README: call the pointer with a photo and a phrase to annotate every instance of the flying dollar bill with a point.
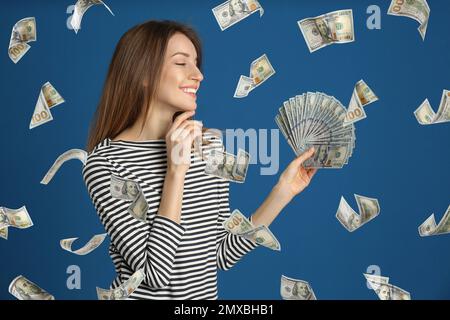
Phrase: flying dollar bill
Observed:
(48, 98)
(66, 156)
(294, 289)
(228, 166)
(24, 31)
(129, 190)
(80, 9)
(92, 244)
(260, 70)
(4, 233)
(262, 236)
(414, 9)
(369, 208)
(17, 218)
(429, 227)
(24, 289)
(426, 116)
(361, 97)
(124, 290)
(239, 225)
(232, 11)
(326, 29)
(244, 86)
(384, 290)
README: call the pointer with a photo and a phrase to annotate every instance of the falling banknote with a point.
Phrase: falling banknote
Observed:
(48, 98)
(228, 166)
(124, 290)
(92, 244)
(24, 289)
(361, 97)
(260, 70)
(24, 31)
(4, 233)
(17, 218)
(129, 190)
(80, 9)
(329, 28)
(232, 11)
(384, 290)
(414, 9)
(239, 225)
(369, 208)
(66, 156)
(429, 227)
(294, 289)
(425, 114)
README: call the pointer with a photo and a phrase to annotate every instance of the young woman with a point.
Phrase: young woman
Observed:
(155, 73)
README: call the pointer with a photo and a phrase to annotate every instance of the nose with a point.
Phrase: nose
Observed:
(196, 74)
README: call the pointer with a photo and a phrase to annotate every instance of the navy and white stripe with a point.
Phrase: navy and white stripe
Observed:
(180, 261)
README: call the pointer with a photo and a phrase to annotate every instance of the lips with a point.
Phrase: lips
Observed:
(190, 91)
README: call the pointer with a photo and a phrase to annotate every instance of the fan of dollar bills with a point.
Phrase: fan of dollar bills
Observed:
(316, 120)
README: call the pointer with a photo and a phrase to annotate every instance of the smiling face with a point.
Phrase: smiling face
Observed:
(180, 77)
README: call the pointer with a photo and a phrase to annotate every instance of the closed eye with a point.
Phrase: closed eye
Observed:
(180, 64)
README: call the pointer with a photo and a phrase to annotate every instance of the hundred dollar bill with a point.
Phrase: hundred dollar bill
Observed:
(124, 290)
(429, 227)
(237, 223)
(262, 236)
(24, 289)
(139, 207)
(80, 9)
(414, 9)
(260, 70)
(329, 28)
(426, 116)
(17, 218)
(92, 244)
(386, 291)
(66, 156)
(48, 98)
(232, 11)
(4, 233)
(374, 280)
(361, 97)
(24, 31)
(369, 208)
(228, 166)
(129, 190)
(328, 156)
(294, 289)
(244, 86)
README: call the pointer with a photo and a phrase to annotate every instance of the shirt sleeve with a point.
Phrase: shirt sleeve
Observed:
(143, 245)
(230, 247)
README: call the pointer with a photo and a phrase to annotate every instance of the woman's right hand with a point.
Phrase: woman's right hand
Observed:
(179, 140)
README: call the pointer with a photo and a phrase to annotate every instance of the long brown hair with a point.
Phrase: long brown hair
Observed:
(137, 59)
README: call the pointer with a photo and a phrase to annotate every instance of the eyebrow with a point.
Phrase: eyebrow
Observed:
(182, 53)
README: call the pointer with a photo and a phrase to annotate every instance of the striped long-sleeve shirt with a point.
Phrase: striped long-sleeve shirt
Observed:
(180, 261)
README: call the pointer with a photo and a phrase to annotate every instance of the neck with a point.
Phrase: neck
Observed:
(156, 125)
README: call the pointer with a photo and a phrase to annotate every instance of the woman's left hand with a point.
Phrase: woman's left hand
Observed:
(295, 178)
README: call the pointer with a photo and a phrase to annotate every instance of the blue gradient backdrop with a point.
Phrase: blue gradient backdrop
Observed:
(403, 164)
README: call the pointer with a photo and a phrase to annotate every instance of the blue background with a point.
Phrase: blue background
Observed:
(403, 164)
